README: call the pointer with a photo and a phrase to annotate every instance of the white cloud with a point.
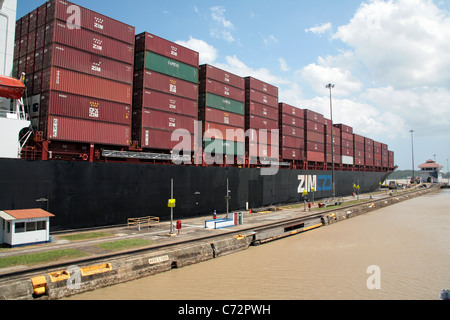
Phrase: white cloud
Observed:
(320, 29)
(223, 26)
(270, 40)
(208, 54)
(283, 65)
(402, 43)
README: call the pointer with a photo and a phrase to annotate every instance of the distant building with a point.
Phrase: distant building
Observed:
(24, 227)
(431, 172)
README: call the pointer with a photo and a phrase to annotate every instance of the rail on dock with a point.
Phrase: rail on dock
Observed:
(144, 222)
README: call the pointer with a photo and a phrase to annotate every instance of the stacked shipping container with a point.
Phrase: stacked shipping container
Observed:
(165, 96)
(80, 71)
(332, 143)
(377, 154)
(261, 108)
(346, 144)
(314, 136)
(292, 126)
(221, 110)
(368, 152)
(358, 150)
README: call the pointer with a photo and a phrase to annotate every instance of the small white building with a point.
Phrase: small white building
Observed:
(24, 227)
(431, 172)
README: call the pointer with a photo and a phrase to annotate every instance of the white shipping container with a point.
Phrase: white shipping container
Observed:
(347, 160)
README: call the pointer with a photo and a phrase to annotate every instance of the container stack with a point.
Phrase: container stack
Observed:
(165, 96)
(328, 143)
(377, 154)
(346, 144)
(222, 112)
(358, 150)
(261, 108)
(314, 136)
(81, 73)
(368, 152)
(391, 162)
(292, 132)
(384, 156)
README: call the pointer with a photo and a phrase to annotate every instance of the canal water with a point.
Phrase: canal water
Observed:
(399, 252)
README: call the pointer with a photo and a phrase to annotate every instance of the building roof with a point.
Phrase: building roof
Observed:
(430, 164)
(10, 215)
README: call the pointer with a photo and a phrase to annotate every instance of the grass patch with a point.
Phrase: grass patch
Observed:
(125, 244)
(42, 257)
(86, 236)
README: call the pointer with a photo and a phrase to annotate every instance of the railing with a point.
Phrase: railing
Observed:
(142, 222)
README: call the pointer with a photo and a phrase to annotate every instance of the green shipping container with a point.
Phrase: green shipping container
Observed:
(222, 147)
(221, 103)
(170, 67)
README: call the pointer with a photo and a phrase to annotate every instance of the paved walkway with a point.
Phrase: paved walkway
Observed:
(193, 228)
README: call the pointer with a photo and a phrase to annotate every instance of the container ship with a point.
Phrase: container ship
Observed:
(116, 117)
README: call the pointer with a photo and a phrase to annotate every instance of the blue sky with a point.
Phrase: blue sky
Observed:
(389, 59)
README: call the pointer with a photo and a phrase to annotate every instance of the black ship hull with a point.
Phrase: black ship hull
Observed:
(84, 195)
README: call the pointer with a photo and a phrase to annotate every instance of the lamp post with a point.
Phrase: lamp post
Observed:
(412, 151)
(331, 86)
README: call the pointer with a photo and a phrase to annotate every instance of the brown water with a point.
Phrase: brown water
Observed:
(409, 242)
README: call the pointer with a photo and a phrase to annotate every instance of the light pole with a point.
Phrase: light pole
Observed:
(331, 86)
(412, 150)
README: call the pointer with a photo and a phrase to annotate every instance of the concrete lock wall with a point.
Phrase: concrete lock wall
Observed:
(101, 273)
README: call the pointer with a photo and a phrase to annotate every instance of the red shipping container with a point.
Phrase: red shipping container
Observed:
(259, 97)
(291, 110)
(337, 158)
(23, 46)
(224, 132)
(347, 144)
(377, 157)
(329, 150)
(313, 116)
(85, 62)
(29, 69)
(315, 126)
(314, 146)
(25, 24)
(222, 117)
(38, 59)
(292, 131)
(255, 122)
(42, 15)
(336, 131)
(89, 41)
(146, 98)
(85, 85)
(293, 142)
(18, 30)
(292, 121)
(162, 140)
(73, 106)
(346, 136)
(90, 20)
(210, 72)
(149, 42)
(159, 82)
(263, 151)
(359, 161)
(358, 138)
(315, 156)
(261, 110)
(252, 83)
(359, 146)
(86, 131)
(31, 42)
(32, 22)
(344, 128)
(384, 147)
(292, 154)
(314, 136)
(37, 82)
(369, 162)
(223, 90)
(347, 151)
(162, 120)
(336, 139)
(359, 154)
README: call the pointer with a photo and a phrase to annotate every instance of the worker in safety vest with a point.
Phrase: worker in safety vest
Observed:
(215, 214)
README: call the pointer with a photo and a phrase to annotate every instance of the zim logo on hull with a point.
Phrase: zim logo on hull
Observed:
(319, 183)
